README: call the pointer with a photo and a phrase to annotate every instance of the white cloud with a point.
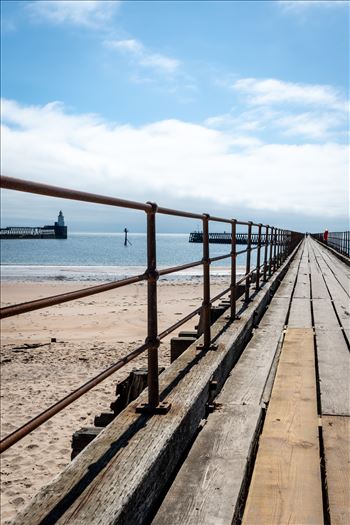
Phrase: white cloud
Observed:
(174, 158)
(313, 125)
(143, 56)
(273, 91)
(91, 13)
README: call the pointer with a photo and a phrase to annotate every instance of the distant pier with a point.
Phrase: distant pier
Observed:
(226, 238)
(55, 231)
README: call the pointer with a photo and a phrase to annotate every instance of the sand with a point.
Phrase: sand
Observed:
(91, 334)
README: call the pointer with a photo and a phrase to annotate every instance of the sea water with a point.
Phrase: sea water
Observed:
(103, 256)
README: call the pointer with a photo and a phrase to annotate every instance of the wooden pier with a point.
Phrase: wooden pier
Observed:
(226, 238)
(258, 431)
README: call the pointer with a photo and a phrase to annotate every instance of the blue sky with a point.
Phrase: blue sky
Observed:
(232, 107)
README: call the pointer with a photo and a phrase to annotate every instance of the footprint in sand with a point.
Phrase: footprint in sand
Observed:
(31, 447)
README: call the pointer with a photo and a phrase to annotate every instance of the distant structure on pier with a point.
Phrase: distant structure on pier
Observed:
(226, 238)
(54, 231)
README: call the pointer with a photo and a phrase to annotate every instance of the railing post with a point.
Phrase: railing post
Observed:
(206, 282)
(265, 251)
(153, 406)
(274, 250)
(233, 269)
(271, 248)
(284, 256)
(279, 247)
(247, 271)
(258, 258)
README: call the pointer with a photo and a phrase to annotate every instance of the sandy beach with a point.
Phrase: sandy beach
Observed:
(91, 334)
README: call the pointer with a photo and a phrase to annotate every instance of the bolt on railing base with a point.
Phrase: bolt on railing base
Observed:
(201, 346)
(145, 408)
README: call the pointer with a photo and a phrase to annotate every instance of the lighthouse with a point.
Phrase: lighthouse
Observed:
(60, 228)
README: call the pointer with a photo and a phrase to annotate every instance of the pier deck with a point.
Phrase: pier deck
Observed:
(276, 448)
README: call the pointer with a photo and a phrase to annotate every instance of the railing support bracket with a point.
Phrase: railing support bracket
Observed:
(161, 408)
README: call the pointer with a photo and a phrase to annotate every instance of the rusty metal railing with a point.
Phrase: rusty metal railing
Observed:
(339, 241)
(273, 248)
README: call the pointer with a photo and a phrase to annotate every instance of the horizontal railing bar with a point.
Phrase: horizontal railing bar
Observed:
(176, 325)
(38, 188)
(219, 219)
(34, 423)
(174, 269)
(219, 258)
(179, 213)
(245, 276)
(37, 304)
(242, 251)
(224, 292)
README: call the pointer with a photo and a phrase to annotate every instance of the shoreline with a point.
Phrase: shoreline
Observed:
(84, 274)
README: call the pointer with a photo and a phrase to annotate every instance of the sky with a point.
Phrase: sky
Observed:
(239, 109)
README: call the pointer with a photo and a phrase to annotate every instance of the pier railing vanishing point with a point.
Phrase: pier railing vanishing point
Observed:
(273, 246)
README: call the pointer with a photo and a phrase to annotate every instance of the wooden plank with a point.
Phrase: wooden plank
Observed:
(337, 291)
(336, 440)
(119, 476)
(334, 372)
(341, 270)
(205, 491)
(300, 314)
(276, 313)
(343, 311)
(324, 315)
(286, 481)
(286, 287)
(302, 288)
(208, 487)
(318, 285)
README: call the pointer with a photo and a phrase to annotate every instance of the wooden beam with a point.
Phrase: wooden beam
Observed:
(334, 372)
(336, 439)
(286, 482)
(300, 313)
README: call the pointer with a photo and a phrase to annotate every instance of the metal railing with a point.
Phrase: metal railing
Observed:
(339, 241)
(271, 254)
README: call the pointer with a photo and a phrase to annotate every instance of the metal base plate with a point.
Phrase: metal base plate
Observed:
(145, 408)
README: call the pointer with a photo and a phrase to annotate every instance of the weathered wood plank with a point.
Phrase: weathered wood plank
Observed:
(344, 259)
(119, 476)
(286, 287)
(276, 313)
(300, 314)
(205, 491)
(318, 285)
(286, 482)
(336, 440)
(337, 291)
(302, 288)
(343, 311)
(341, 270)
(324, 315)
(208, 486)
(334, 372)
